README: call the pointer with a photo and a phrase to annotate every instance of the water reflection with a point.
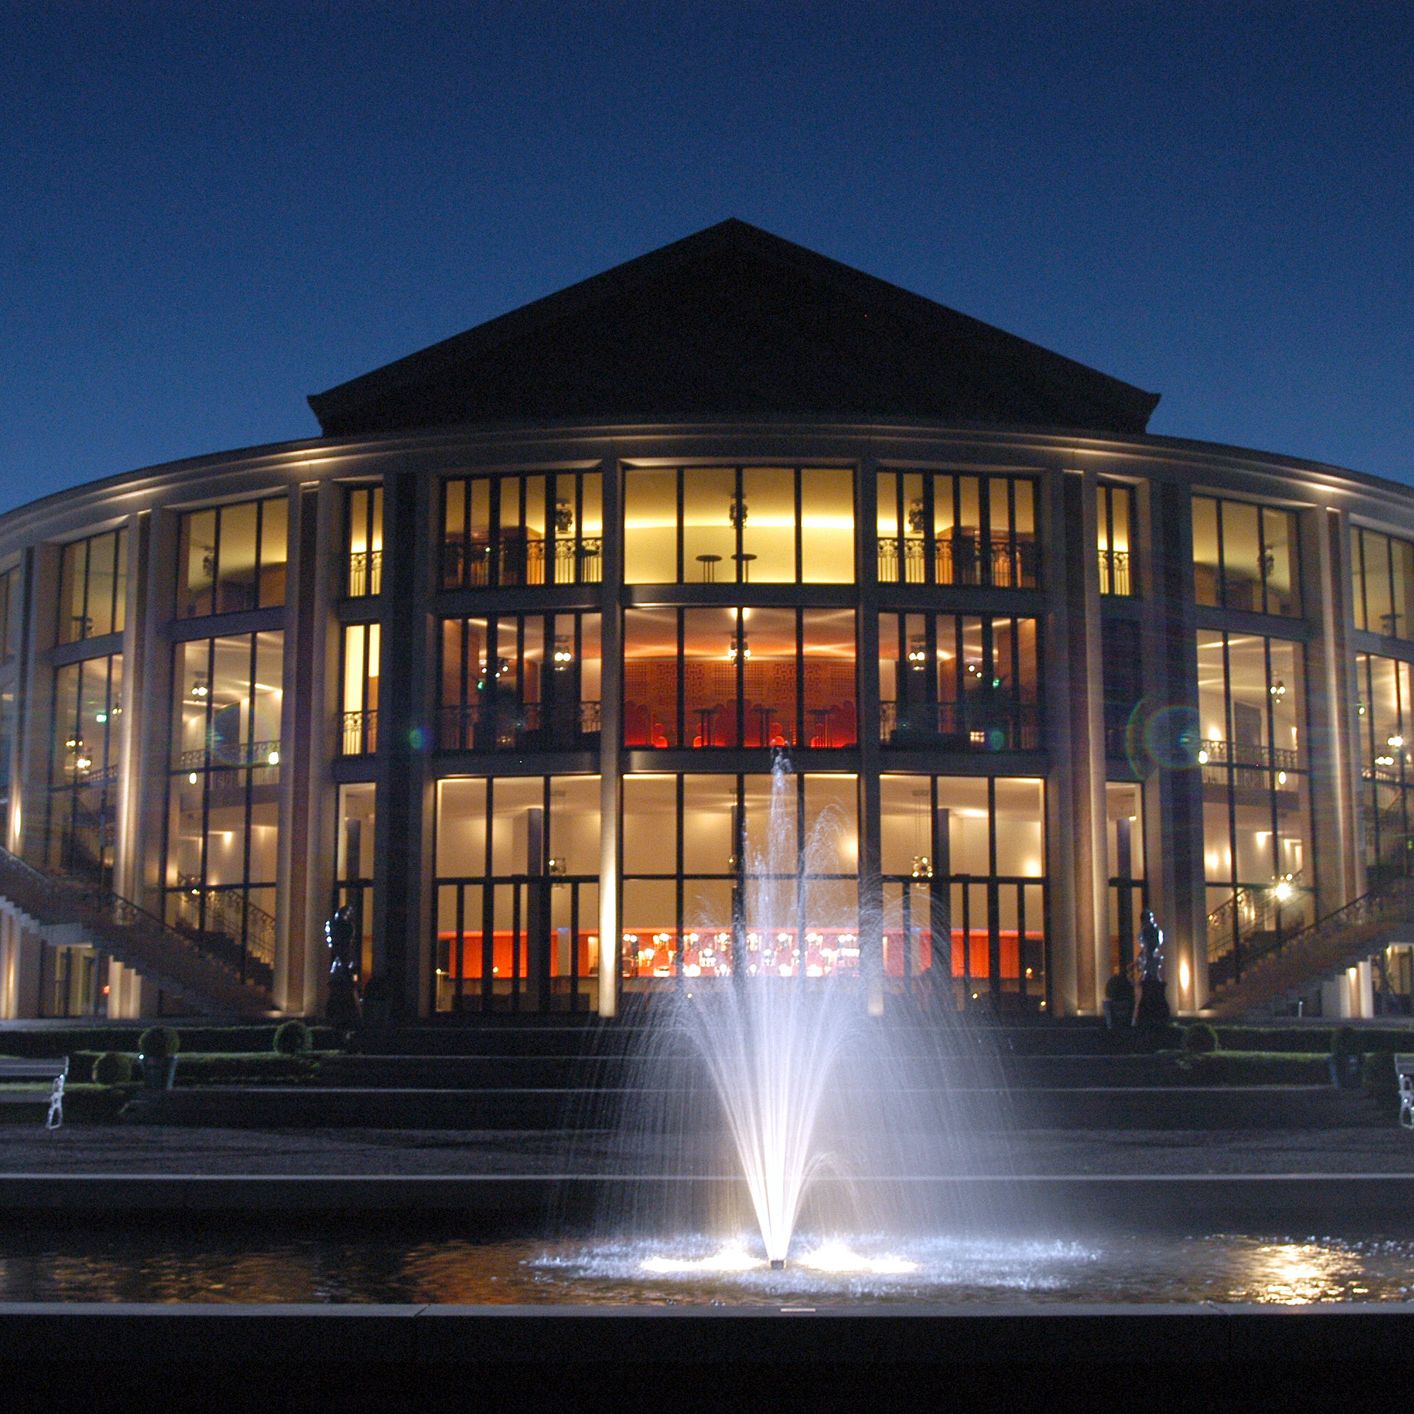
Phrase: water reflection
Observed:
(445, 1267)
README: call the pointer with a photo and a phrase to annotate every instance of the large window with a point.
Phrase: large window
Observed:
(1122, 678)
(232, 558)
(1124, 851)
(959, 682)
(1245, 557)
(964, 888)
(9, 615)
(517, 887)
(1385, 716)
(520, 683)
(359, 711)
(522, 530)
(83, 767)
(1256, 813)
(739, 525)
(363, 540)
(1382, 570)
(1114, 531)
(732, 677)
(93, 586)
(353, 865)
(715, 870)
(941, 528)
(223, 796)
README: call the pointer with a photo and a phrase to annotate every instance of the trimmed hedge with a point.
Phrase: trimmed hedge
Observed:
(230, 1068)
(1249, 1068)
(225, 1040)
(1391, 1037)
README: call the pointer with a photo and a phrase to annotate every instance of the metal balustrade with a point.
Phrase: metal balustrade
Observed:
(1002, 563)
(174, 960)
(961, 726)
(510, 726)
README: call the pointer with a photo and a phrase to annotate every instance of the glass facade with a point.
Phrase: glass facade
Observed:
(231, 559)
(93, 586)
(941, 528)
(959, 682)
(223, 814)
(514, 531)
(1256, 794)
(1382, 574)
(740, 677)
(748, 612)
(1245, 557)
(363, 541)
(84, 762)
(1114, 531)
(738, 525)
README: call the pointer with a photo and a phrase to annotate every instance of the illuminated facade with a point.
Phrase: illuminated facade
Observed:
(505, 657)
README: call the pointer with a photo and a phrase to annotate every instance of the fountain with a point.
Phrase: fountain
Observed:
(782, 1075)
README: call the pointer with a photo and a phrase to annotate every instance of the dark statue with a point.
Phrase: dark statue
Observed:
(1152, 1009)
(343, 968)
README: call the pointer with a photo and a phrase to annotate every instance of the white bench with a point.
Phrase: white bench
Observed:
(56, 1071)
(1404, 1074)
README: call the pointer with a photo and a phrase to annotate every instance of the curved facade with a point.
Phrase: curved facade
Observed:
(515, 692)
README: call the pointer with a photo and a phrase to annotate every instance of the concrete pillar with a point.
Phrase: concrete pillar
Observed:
(302, 760)
(130, 841)
(1173, 794)
(1333, 724)
(611, 648)
(866, 577)
(1070, 982)
(1083, 650)
(402, 878)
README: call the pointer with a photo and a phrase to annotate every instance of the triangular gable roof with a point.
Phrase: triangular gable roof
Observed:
(732, 321)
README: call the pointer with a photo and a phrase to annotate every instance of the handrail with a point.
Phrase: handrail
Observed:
(103, 908)
(1371, 907)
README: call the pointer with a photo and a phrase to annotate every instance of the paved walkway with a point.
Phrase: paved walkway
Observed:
(143, 1149)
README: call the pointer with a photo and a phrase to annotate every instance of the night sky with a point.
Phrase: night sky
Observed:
(209, 211)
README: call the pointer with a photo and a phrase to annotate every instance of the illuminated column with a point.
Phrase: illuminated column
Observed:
(866, 576)
(402, 945)
(1331, 697)
(128, 844)
(1173, 794)
(1066, 826)
(1087, 739)
(610, 734)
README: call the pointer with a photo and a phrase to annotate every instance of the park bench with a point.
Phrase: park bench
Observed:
(54, 1070)
(1404, 1074)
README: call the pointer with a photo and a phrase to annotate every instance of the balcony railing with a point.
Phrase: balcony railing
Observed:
(527, 726)
(1253, 922)
(229, 927)
(365, 573)
(358, 733)
(1248, 765)
(961, 726)
(232, 755)
(1114, 573)
(513, 561)
(1002, 563)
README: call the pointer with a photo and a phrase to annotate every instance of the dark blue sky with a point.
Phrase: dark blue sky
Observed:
(211, 210)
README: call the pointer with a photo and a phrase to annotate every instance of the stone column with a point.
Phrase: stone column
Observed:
(866, 577)
(611, 649)
(402, 872)
(1173, 792)
(1333, 723)
(1071, 980)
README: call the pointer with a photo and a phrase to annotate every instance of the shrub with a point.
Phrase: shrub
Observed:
(1345, 1041)
(292, 1038)
(1381, 1081)
(1200, 1039)
(113, 1068)
(159, 1042)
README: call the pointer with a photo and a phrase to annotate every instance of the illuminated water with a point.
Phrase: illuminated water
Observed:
(345, 1266)
(799, 1063)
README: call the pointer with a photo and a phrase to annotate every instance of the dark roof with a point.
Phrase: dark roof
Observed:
(732, 321)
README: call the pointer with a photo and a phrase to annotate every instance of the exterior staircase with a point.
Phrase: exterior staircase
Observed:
(63, 910)
(1320, 952)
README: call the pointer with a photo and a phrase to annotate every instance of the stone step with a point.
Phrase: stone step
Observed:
(1118, 1108)
(569, 1071)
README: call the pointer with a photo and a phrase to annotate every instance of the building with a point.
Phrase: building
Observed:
(504, 657)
